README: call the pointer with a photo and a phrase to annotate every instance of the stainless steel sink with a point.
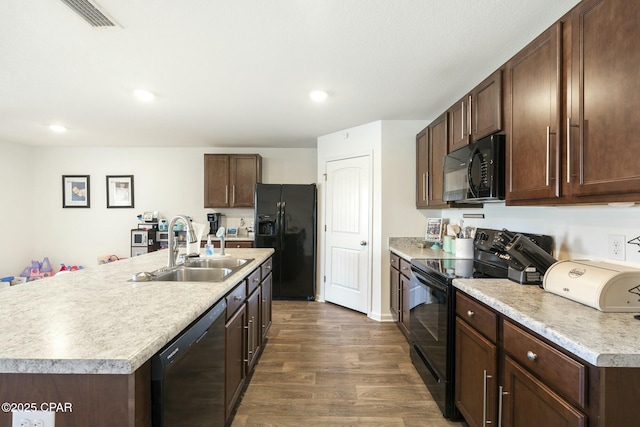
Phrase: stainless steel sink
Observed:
(185, 274)
(232, 263)
(195, 270)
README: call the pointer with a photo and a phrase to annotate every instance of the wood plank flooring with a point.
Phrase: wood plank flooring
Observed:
(325, 365)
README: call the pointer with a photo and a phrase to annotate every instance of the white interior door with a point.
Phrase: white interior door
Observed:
(347, 249)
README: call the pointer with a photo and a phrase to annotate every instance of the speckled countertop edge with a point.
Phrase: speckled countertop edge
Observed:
(95, 321)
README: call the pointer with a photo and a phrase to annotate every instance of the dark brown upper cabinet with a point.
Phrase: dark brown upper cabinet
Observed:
(230, 180)
(532, 99)
(477, 114)
(604, 101)
(431, 147)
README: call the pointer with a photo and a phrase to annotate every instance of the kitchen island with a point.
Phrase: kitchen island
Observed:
(85, 338)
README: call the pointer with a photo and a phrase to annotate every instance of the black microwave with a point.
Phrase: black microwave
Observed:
(475, 173)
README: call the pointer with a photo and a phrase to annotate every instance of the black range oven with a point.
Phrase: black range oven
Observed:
(432, 307)
(432, 317)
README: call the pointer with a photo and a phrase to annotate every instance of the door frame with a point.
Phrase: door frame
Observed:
(322, 215)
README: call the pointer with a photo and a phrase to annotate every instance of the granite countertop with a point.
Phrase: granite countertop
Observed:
(602, 339)
(408, 248)
(95, 321)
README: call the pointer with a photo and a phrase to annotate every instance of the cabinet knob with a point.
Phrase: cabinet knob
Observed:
(237, 298)
(470, 313)
(531, 355)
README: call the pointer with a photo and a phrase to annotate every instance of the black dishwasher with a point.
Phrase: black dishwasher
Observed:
(187, 375)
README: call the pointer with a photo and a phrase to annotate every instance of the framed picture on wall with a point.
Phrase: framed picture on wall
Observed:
(75, 191)
(120, 191)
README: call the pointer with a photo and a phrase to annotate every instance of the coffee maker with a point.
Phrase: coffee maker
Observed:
(214, 222)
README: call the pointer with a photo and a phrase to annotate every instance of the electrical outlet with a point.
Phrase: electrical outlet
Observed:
(616, 247)
(33, 419)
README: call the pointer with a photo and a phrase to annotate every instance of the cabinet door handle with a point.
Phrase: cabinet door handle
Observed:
(485, 377)
(470, 313)
(568, 150)
(424, 186)
(233, 193)
(502, 394)
(469, 120)
(531, 355)
(463, 116)
(226, 194)
(548, 155)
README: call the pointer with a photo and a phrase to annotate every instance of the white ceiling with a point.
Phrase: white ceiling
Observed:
(237, 72)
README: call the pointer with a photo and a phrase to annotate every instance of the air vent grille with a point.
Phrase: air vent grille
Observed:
(90, 12)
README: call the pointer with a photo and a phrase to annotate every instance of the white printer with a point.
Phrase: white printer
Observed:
(604, 286)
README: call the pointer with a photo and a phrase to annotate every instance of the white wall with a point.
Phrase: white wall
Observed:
(17, 208)
(392, 147)
(169, 180)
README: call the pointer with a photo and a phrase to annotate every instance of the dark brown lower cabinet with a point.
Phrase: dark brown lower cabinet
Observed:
(253, 328)
(475, 376)
(266, 314)
(235, 344)
(400, 284)
(526, 401)
(508, 376)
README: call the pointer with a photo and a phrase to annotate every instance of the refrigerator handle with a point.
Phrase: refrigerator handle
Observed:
(277, 231)
(283, 226)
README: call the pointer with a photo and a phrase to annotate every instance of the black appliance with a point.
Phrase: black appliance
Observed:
(188, 375)
(475, 173)
(432, 308)
(285, 220)
(214, 222)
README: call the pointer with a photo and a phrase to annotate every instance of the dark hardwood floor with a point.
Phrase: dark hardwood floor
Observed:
(325, 365)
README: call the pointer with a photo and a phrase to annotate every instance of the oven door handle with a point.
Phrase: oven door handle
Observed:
(429, 283)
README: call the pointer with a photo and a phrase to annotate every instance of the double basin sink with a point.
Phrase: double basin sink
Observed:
(196, 270)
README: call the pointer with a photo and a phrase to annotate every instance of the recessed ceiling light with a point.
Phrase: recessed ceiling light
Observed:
(144, 95)
(318, 95)
(58, 128)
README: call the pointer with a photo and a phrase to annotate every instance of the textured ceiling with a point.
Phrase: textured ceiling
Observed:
(237, 73)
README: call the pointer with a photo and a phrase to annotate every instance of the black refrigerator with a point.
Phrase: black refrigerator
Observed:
(285, 220)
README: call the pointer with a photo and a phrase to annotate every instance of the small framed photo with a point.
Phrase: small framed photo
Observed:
(120, 191)
(75, 191)
(434, 230)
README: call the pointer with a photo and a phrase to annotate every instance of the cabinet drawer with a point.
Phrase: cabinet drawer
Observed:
(405, 267)
(483, 319)
(253, 280)
(239, 244)
(562, 373)
(266, 268)
(395, 261)
(236, 298)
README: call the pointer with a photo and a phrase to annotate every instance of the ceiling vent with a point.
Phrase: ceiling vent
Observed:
(91, 12)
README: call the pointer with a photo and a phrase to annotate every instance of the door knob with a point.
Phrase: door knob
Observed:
(363, 243)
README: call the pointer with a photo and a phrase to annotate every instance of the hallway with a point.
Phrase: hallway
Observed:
(325, 365)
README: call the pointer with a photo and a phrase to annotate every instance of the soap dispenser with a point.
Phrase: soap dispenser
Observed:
(208, 248)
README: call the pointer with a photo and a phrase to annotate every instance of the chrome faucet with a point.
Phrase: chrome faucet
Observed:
(173, 245)
(220, 235)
